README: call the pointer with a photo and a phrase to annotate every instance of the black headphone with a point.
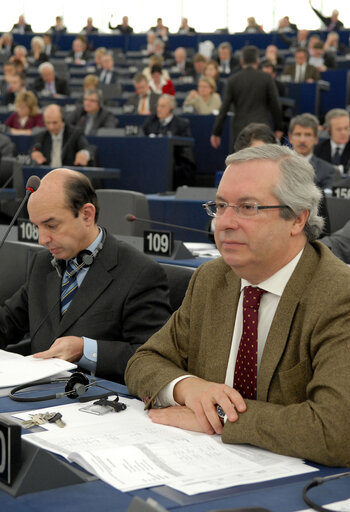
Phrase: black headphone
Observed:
(84, 258)
(318, 481)
(75, 387)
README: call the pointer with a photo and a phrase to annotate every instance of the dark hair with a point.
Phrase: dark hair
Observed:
(254, 131)
(156, 68)
(250, 54)
(300, 49)
(79, 191)
(266, 63)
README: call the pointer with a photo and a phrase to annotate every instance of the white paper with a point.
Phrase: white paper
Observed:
(129, 452)
(337, 506)
(16, 369)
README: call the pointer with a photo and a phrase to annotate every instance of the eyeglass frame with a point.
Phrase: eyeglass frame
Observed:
(236, 208)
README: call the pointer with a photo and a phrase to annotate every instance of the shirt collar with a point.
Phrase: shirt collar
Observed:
(334, 146)
(278, 281)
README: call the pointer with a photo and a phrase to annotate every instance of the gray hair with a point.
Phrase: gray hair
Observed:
(225, 44)
(296, 187)
(170, 98)
(332, 114)
(306, 121)
(46, 65)
(97, 92)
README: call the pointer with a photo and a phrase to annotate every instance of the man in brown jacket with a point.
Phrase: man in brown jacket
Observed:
(265, 225)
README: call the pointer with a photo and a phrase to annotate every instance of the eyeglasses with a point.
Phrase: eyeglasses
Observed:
(245, 209)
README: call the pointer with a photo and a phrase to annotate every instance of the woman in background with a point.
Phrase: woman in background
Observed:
(26, 115)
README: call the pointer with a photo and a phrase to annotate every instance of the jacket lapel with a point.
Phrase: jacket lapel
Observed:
(281, 325)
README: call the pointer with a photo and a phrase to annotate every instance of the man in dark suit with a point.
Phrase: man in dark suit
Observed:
(21, 27)
(50, 48)
(79, 53)
(123, 28)
(254, 97)
(89, 29)
(331, 22)
(180, 63)
(281, 379)
(303, 135)
(336, 149)
(228, 63)
(60, 144)
(165, 123)
(122, 295)
(301, 70)
(143, 101)
(108, 74)
(92, 115)
(48, 84)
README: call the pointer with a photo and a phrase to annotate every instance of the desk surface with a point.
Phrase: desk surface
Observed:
(282, 495)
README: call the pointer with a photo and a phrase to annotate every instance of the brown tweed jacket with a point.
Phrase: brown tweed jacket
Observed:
(303, 405)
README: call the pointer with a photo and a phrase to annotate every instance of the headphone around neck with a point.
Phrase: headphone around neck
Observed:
(84, 259)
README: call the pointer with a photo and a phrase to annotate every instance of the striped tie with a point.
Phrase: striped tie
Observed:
(69, 286)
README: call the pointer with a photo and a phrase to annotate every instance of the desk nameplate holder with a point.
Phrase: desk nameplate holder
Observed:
(32, 469)
(179, 252)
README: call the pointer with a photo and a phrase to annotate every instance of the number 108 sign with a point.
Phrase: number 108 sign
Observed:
(158, 243)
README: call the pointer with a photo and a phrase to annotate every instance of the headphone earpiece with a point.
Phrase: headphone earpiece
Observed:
(85, 258)
(77, 385)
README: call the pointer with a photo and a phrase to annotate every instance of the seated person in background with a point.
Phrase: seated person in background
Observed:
(79, 54)
(331, 22)
(20, 54)
(158, 84)
(89, 29)
(143, 100)
(160, 49)
(255, 134)
(271, 54)
(303, 136)
(320, 59)
(160, 30)
(26, 116)
(181, 64)
(284, 25)
(108, 73)
(294, 398)
(185, 28)
(21, 27)
(165, 123)
(123, 28)
(60, 144)
(98, 53)
(37, 54)
(228, 63)
(333, 46)
(6, 44)
(58, 28)
(298, 41)
(252, 26)
(205, 100)
(50, 49)
(48, 84)
(90, 82)
(92, 115)
(268, 67)
(336, 149)
(199, 63)
(16, 85)
(120, 299)
(301, 70)
(155, 59)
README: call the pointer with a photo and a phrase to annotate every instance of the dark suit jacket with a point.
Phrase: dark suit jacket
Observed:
(323, 150)
(73, 141)
(153, 100)
(85, 56)
(61, 86)
(254, 96)
(310, 72)
(188, 70)
(327, 20)
(89, 30)
(16, 27)
(324, 172)
(121, 28)
(103, 119)
(121, 302)
(303, 405)
(113, 79)
(235, 65)
(184, 162)
(339, 243)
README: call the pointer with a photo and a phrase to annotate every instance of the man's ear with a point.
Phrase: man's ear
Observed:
(88, 212)
(299, 222)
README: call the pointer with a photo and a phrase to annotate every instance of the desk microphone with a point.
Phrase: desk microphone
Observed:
(32, 185)
(131, 218)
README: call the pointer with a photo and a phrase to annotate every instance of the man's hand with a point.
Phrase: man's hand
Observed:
(38, 157)
(81, 159)
(202, 397)
(69, 348)
(215, 141)
(177, 416)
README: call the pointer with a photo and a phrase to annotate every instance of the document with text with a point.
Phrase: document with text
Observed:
(129, 452)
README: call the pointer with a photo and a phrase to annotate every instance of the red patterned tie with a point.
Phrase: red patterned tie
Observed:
(245, 375)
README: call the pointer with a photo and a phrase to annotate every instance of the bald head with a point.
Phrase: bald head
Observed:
(53, 119)
(65, 210)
